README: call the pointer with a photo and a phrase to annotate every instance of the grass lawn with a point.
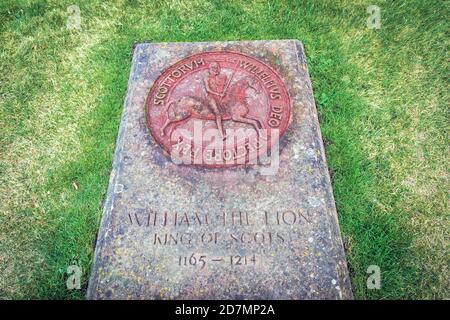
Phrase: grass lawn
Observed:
(382, 95)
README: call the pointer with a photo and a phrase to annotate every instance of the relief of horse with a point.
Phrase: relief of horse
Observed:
(234, 102)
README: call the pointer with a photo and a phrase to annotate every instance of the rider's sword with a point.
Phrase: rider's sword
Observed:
(227, 85)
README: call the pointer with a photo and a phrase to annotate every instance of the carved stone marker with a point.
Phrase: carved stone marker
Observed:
(219, 188)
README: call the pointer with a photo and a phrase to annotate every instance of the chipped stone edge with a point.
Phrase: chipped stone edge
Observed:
(342, 270)
(112, 184)
(213, 42)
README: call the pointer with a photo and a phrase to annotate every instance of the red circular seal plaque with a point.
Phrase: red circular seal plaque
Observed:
(218, 109)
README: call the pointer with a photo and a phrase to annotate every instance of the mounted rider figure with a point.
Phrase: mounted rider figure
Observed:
(216, 86)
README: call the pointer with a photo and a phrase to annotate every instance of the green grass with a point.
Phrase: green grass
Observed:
(382, 97)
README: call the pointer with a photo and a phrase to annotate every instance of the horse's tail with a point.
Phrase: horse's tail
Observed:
(168, 107)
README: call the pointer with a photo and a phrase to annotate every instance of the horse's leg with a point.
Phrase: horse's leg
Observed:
(168, 121)
(263, 137)
(220, 125)
(216, 111)
(171, 121)
(254, 118)
(177, 122)
(252, 122)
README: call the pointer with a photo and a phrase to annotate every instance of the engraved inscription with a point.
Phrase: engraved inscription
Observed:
(238, 229)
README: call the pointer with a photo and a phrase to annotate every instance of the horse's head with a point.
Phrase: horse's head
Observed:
(240, 88)
(250, 82)
(238, 92)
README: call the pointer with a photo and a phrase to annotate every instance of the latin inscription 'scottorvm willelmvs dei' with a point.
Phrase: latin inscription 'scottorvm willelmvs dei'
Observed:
(192, 211)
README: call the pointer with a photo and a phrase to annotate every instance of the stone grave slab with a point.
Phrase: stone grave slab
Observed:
(219, 187)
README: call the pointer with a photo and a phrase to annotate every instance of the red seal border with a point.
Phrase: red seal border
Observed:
(148, 104)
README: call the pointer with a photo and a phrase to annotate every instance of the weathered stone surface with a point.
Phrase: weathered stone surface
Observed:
(190, 232)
